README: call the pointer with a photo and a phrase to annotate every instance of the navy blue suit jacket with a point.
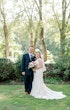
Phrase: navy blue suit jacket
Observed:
(25, 64)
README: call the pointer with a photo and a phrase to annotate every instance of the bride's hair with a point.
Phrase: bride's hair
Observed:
(41, 56)
(39, 53)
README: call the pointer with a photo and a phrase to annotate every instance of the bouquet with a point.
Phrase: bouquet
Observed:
(32, 65)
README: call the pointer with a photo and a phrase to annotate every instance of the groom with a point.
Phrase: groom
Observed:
(27, 73)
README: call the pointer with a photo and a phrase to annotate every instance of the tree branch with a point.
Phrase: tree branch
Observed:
(56, 16)
(68, 18)
(68, 4)
(36, 4)
(25, 9)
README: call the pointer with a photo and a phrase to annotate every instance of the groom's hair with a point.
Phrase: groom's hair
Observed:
(31, 46)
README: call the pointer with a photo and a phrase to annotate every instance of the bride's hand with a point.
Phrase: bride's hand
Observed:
(34, 69)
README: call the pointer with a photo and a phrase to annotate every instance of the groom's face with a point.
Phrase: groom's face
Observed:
(31, 50)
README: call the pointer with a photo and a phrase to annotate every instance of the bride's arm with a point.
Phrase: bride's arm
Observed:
(40, 64)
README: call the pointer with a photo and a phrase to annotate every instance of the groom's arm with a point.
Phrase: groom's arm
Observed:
(23, 65)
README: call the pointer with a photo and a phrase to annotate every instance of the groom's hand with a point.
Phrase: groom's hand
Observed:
(23, 73)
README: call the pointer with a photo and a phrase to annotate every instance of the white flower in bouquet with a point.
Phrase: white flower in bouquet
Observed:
(32, 65)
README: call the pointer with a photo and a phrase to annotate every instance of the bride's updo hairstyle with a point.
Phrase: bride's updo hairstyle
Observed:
(41, 56)
(38, 51)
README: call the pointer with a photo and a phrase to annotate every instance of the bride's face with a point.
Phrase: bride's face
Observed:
(38, 55)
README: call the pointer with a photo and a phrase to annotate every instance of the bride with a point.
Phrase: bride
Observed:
(39, 89)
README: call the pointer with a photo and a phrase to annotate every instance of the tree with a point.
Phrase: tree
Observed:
(41, 28)
(2, 11)
(34, 23)
(62, 24)
(63, 29)
(42, 31)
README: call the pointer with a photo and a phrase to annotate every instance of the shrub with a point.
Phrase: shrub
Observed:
(49, 70)
(17, 73)
(63, 65)
(61, 68)
(6, 69)
(10, 70)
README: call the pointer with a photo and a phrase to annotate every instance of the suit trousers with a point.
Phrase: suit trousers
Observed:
(28, 82)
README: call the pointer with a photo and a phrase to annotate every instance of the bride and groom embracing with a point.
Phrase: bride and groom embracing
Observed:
(33, 77)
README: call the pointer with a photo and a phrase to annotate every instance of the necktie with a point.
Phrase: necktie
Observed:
(31, 57)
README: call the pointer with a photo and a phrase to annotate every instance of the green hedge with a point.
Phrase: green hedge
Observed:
(6, 69)
(17, 67)
(10, 70)
(61, 68)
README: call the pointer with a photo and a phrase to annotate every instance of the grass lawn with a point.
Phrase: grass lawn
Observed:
(12, 97)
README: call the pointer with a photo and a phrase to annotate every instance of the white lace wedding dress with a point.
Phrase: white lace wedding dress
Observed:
(40, 90)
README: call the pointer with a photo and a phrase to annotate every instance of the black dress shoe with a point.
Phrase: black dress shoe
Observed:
(26, 93)
(29, 92)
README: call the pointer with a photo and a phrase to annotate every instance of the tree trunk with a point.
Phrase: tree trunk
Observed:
(43, 43)
(42, 31)
(62, 42)
(31, 39)
(5, 31)
(63, 28)
(6, 39)
(35, 41)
